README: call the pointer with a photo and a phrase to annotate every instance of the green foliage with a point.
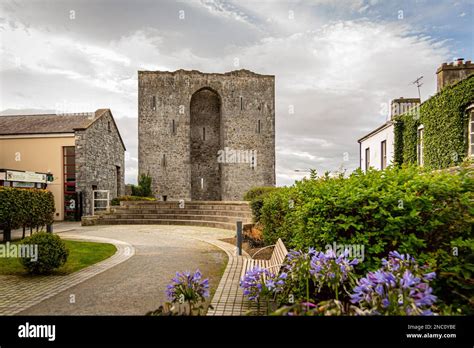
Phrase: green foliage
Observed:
(398, 146)
(445, 127)
(117, 200)
(52, 253)
(25, 207)
(143, 189)
(256, 196)
(426, 214)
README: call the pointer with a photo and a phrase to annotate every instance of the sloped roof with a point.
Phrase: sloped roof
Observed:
(51, 123)
(44, 124)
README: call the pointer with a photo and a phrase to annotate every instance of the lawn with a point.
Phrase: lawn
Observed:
(81, 255)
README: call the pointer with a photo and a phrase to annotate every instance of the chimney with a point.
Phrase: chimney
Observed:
(453, 72)
(401, 105)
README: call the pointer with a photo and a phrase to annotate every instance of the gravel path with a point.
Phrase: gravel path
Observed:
(138, 285)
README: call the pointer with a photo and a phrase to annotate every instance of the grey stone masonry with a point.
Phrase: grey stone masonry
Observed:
(206, 136)
(100, 156)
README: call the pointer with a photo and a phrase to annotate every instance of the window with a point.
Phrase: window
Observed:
(173, 127)
(367, 158)
(153, 103)
(241, 103)
(108, 126)
(383, 148)
(163, 161)
(259, 126)
(419, 152)
(118, 177)
(471, 134)
(69, 172)
(203, 133)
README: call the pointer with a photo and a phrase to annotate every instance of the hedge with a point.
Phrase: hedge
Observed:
(25, 208)
(255, 196)
(426, 214)
(445, 128)
(117, 200)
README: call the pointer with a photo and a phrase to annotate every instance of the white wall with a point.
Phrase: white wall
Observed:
(374, 143)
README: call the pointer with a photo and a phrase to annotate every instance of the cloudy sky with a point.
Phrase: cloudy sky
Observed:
(337, 63)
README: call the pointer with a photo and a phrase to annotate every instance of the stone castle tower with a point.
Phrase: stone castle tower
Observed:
(206, 136)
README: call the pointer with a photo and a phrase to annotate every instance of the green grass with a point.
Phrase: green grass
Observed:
(81, 255)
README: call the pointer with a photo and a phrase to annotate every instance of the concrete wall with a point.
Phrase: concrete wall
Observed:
(245, 99)
(38, 154)
(99, 152)
(374, 143)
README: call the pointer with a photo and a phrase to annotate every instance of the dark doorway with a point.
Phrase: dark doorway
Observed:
(205, 144)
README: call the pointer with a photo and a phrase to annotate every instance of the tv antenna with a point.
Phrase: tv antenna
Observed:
(418, 84)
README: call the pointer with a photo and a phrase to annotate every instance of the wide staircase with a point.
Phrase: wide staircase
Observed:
(194, 213)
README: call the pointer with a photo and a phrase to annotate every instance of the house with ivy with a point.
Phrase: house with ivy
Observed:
(438, 133)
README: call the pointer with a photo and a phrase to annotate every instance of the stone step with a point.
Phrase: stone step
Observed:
(187, 205)
(216, 218)
(214, 224)
(121, 211)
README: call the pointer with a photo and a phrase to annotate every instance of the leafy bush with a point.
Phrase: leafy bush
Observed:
(25, 208)
(256, 196)
(117, 200)
(52, 253)
(143, 189)
(426, 214)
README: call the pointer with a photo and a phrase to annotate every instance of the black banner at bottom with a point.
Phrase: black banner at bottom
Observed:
(135, 331)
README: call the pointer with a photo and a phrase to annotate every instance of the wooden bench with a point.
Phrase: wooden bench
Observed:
(273, 265)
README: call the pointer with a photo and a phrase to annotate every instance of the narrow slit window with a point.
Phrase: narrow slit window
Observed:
(108, 126)
(204, 133)
(163, 161)
(153, 103)
(259, 126)
(241, 103)
(173, 127)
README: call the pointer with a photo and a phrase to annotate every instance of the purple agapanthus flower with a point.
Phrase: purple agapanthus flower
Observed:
(187, 286)
(398, 288)
(259, 282)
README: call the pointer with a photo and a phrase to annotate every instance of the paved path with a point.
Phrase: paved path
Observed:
(19, 293)
(138, 285)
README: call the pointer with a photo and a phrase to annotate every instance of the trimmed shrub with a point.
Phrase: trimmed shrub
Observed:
(256, 196)
(426, 214)
(52, 253)
(25, 208)
(143, 189)
(116, 201)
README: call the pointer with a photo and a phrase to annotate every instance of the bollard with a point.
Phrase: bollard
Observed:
(49, 228)
(239, 237)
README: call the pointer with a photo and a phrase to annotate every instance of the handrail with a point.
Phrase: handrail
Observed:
(268, 246)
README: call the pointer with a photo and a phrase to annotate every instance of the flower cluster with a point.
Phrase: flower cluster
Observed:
(400, 287)
(188, 287)
(260, 283)
(331, 270)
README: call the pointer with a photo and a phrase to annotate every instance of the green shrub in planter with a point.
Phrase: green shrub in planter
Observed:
(52, 253)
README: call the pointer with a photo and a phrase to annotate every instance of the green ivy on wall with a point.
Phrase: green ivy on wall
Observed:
(445, 125)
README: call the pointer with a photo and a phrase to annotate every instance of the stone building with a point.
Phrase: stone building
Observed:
(81, 152)
(206, 136)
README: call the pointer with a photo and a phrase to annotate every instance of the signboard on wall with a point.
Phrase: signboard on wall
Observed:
(25, 176)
